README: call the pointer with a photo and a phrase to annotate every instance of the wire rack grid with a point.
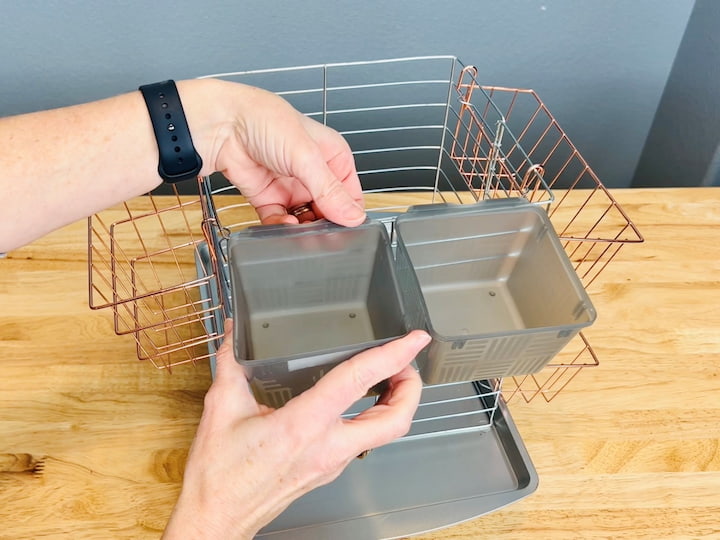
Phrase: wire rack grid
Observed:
(422, 130)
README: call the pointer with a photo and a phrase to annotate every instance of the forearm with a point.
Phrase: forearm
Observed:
(62, 165)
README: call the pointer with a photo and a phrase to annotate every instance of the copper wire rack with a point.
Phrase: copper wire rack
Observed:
(422, 130)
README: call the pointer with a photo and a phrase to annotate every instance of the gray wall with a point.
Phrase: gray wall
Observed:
(683, 146)
(600, 66)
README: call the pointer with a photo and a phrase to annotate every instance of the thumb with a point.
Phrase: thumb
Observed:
(226, 367)
(229, 395)
(328, 192)
(350, 380)
(330, 196)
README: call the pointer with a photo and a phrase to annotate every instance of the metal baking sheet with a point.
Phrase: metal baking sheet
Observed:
(439, 475)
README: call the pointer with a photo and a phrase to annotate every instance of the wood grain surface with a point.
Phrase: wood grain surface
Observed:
(93, 442)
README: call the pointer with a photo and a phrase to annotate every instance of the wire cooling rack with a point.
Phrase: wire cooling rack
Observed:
(422, 130)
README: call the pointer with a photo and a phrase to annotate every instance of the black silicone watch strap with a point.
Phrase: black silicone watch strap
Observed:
(178, 158)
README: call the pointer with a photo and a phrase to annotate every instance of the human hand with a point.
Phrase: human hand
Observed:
(249, 462)
(277, 157)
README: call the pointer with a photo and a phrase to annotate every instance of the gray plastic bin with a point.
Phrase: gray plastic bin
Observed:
(492, 285)
(307, 297)
(462, 458)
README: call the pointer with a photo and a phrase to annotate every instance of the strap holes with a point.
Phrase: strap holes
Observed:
(174, 138)
(177, 148)
(168, 116)
(180, 160)
(164, 105)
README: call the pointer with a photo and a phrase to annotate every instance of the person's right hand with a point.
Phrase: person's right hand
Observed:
(249, 462)
(277, 157)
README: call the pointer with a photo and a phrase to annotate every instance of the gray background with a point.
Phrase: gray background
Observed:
(621, 77)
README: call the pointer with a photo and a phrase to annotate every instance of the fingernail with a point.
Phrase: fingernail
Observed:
(354, 211)
(422, 339)
(227, 326)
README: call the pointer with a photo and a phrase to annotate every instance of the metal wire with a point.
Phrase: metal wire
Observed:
(449, 408)
(422, 129)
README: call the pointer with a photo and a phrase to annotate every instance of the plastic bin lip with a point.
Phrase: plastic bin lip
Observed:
(497, 206)
(314, 357)
(425, 212)
(287, 230)
(439, 210)
(571, 328)
(321, 228)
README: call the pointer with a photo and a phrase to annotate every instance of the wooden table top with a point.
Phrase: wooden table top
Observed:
(93, 442)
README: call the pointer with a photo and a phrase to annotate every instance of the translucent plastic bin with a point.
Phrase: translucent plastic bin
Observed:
(492, 285)
(307, 297)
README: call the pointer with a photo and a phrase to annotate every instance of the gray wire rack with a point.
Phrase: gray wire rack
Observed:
(422, 130)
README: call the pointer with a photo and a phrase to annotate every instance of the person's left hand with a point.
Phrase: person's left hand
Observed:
(249, 462)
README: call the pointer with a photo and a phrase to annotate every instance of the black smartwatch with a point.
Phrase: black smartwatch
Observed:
(178, 158)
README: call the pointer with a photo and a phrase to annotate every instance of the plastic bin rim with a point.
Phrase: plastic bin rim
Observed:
(492, 206)
(315, 228)
(355, 348)
(569, 328)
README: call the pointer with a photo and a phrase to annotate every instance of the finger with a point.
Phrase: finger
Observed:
(225, 357)
(390, 418)
(338, 155)
(230, 394)
(349, 381)
(226, 367)
(275, 214)
(329, 194)
(280, 219)
(387, 396)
